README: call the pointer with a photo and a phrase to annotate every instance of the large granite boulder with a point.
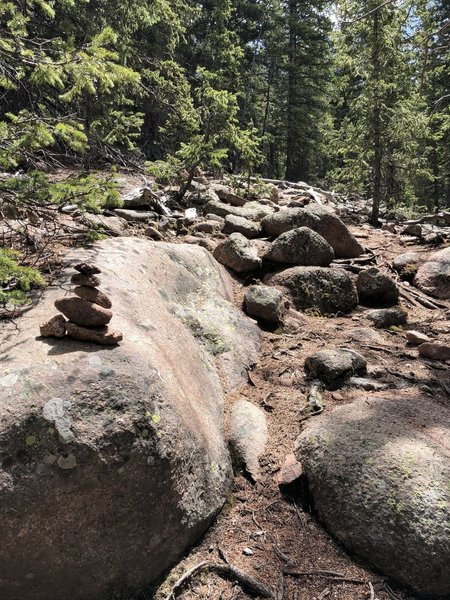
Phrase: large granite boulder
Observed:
(237, 253)
(433, 277)
(301, 246)
(320, 219)
(327, 291)
(113, 460)
(378, 470)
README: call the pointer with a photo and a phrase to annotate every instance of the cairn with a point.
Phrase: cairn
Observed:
(88, 313)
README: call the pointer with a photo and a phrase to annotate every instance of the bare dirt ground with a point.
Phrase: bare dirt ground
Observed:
(276, 525)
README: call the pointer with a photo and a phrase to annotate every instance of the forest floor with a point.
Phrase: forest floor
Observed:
(277, 524)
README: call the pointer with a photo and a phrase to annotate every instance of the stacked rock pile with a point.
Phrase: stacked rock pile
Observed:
(88, 313)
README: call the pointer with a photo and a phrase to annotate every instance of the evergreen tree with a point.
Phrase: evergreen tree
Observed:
(384, 122)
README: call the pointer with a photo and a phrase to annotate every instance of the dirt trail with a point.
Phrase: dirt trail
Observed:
(266, 531)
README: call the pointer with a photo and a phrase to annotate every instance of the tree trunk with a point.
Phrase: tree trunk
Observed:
(292, 82)
(376, 126)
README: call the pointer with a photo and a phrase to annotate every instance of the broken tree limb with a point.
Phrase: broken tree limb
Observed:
(248, 583)
(331, 575)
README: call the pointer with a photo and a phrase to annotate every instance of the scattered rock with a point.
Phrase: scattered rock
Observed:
(407, 263)
(435, 351)
(320, 219)
(227, 195)
(153, 233)
(333, 366)
(139, 216)
(93, 295)
(388, 317)
(370, 385)
(264, 302)
(54, 327)
(301, 246)
(433, 277)
(248, 435)
(327, 291)
(378, 471)
(210, 227)
(234, 224)
(413, 229)
(198, 241)
(290, 471)
(415, 338)
(82, 312)
(115, 226)
(376, 289)
(100, 335)
(237, 254)
(254, 211)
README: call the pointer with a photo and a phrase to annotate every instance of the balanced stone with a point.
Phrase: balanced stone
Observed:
(86, 280)
(83, 312)
(101, 335)
(54, 327)
(93, 295)
(87, 269)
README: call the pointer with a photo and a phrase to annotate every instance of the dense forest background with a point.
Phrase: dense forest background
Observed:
(353, 96)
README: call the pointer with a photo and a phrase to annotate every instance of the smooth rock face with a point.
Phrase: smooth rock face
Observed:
(326, 290)
(301, 246)
(93, 295)
(101, 335)
(54, 327)
(248, 435)
(237, 254)
(247, 228)
(264, 302)
(376, 289)
(136, 215)
(378, 470)
(226, 194)
(332, 366)
(114, 460)
(433, 277)
(111, 225)
(320, 219)
(435, 350)
(388, 317)
(82, 312)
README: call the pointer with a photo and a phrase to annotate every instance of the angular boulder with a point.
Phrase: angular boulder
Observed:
(237, 254)
(376, 289)
(114, 460)
(433, 277)
(328, 291)
(248, 435)
(301, 246)
(388, 317)
(378, 470)
(320, 219)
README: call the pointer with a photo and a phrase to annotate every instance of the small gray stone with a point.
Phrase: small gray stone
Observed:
(435, 351)
(264, 302)
(388, 317)
(67, 462)
(332, 366)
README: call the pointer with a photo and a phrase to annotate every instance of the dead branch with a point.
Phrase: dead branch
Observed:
(331, 575)
(248, 583)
